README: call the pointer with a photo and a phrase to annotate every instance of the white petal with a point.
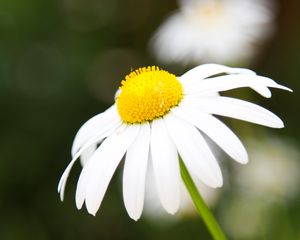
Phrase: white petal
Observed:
(166, 166)
(194, 151)
(216, 130)
(235, 108)
(206, 70)
(262, 90)
(96, 125)
(86, 155)
(91, 142)
(224, 83)
(83, 179)
(97, 173)
(134, 174)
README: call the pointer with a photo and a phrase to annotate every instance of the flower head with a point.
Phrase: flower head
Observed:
(157, 117)
(223, 31)
(148, 93)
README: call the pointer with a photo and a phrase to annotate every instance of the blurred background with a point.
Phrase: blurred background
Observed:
(61, 63)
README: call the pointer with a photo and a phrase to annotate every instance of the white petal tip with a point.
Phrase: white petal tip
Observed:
(61, 195)
(59, 186)
(276, 85)
(171, 211)
(214, 181)
(217, 183)
(134, 215)
(215, 186)
(285, 88)
(135, 218)
(78, 206)
(79, 201)
(171, 207)
(279, 125)
(92, 212)
(276, 122)
(243, 161)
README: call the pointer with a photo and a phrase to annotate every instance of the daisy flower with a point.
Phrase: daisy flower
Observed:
(157, 117)
(222, 31)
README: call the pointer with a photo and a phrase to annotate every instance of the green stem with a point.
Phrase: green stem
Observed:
(201, 207)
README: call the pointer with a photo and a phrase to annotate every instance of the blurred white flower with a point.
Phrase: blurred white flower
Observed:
(273, 170)
(158, 116)
(221, 31)
(270, 180)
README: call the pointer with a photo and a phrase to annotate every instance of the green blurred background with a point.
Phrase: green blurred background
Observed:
(60, 64)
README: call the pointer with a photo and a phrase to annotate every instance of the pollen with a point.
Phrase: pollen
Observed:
(148, 93)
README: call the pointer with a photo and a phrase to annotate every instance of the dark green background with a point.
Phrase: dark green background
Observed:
(60, 63)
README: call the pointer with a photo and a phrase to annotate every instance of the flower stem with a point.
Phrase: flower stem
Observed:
(201, 207)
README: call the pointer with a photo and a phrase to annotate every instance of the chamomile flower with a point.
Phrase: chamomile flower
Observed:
(157, 117)
(222, 31)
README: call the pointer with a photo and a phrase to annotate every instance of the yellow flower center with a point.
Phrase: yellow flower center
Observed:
(148, 93)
